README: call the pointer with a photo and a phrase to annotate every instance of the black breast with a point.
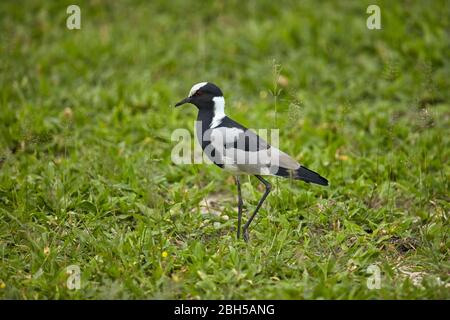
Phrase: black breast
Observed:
(202, 124)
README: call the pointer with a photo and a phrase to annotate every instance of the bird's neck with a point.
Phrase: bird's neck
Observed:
(213, 115)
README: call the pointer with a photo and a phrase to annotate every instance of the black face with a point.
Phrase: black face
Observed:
(203, 97)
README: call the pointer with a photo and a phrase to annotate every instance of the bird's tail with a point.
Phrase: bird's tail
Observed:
(304, 174)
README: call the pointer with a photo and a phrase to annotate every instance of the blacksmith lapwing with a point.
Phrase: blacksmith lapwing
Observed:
(233, 147)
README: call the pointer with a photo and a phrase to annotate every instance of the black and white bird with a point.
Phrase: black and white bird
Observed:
(234, 148)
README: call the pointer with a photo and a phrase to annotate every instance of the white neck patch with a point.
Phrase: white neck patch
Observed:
(195, 87)
(219, 111)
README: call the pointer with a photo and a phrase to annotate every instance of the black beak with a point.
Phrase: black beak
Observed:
(185, 100)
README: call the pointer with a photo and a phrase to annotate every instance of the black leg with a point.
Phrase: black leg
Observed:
(266, 193)
(240, 203)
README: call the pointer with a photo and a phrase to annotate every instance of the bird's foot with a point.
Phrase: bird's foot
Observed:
(246, 236)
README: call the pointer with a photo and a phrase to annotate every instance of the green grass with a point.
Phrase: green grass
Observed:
(86, 177)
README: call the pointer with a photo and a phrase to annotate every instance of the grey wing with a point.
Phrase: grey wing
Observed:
(248, 152)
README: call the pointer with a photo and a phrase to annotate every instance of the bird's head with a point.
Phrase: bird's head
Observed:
(203, 95)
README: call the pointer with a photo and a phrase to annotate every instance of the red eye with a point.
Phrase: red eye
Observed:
(198, 93)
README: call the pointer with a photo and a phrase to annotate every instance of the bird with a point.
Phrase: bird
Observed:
(239, 150)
